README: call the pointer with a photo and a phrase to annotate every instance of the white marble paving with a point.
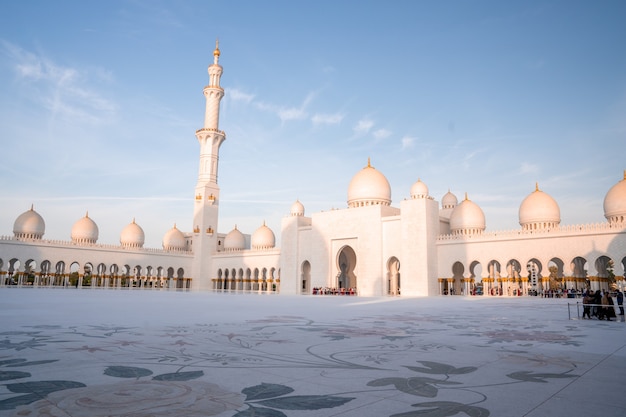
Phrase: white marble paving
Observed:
(150, 353)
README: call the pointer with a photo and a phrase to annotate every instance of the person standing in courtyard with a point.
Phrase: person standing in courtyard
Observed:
(620, 302)
(606, 307)
(587, 301)
(609, 309)
(597, 308)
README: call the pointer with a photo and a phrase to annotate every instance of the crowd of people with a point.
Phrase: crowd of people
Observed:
(559, 293)
(599, 304)
(334, 291)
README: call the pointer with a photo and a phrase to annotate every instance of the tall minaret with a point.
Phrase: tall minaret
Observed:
(207, 195)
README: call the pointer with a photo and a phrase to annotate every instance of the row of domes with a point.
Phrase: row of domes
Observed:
(30, 225)
(537, 211)
(368, 187)
(262, 238)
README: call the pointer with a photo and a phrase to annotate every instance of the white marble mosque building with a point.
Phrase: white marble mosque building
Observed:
(370, 248)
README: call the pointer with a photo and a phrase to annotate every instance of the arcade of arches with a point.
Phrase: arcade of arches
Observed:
(93, 275)
(251, 280)
(531, 278)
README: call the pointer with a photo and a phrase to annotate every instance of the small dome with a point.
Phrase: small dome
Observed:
(29, 225)
(539, 211)
(419, 190)
(85, 230)
(369, 187)
(174, 240)
(234, 240)
(467, 218)
(297, 209)
(449, 201)
(615, 202)
(132, 236)
(263, 238)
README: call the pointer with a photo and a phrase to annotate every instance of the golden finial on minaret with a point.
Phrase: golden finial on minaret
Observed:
(369, 165)
(536, 186)
(216, 52)
(466, 198)
(625, 174)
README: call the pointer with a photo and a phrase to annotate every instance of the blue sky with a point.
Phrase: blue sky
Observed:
(99, 102)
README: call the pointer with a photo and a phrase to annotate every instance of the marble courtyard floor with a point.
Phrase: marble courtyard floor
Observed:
(79, 353)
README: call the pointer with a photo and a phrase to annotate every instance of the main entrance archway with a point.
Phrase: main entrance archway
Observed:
(346, 263)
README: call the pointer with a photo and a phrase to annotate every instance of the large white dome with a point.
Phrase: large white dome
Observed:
(539, 211)
(85, 230)
(369, 187)
(174, 240)
(263, 238)
(234, 240)
(29, 225)
(615, 202)
(132, 236)
(467, 218)
(419, 190)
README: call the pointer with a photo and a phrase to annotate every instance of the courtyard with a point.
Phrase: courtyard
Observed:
(133, 352)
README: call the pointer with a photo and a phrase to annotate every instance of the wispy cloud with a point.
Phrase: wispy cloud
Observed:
(288, 113)
(469, 158)
(292, 113)
(407, 142)
(528, 168)
(381, 134)
(363, 126)
(238, 95)
(327, 119)
(64, 91)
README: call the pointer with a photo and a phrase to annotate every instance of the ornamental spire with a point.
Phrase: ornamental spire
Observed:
(216, 52)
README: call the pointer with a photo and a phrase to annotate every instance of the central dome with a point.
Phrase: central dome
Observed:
(369, 187)
(539, 211)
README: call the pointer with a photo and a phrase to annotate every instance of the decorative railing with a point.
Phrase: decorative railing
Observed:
(577, 229)
(210, 129)
(69, 243)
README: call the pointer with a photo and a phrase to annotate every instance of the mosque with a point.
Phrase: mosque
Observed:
(370, 248)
